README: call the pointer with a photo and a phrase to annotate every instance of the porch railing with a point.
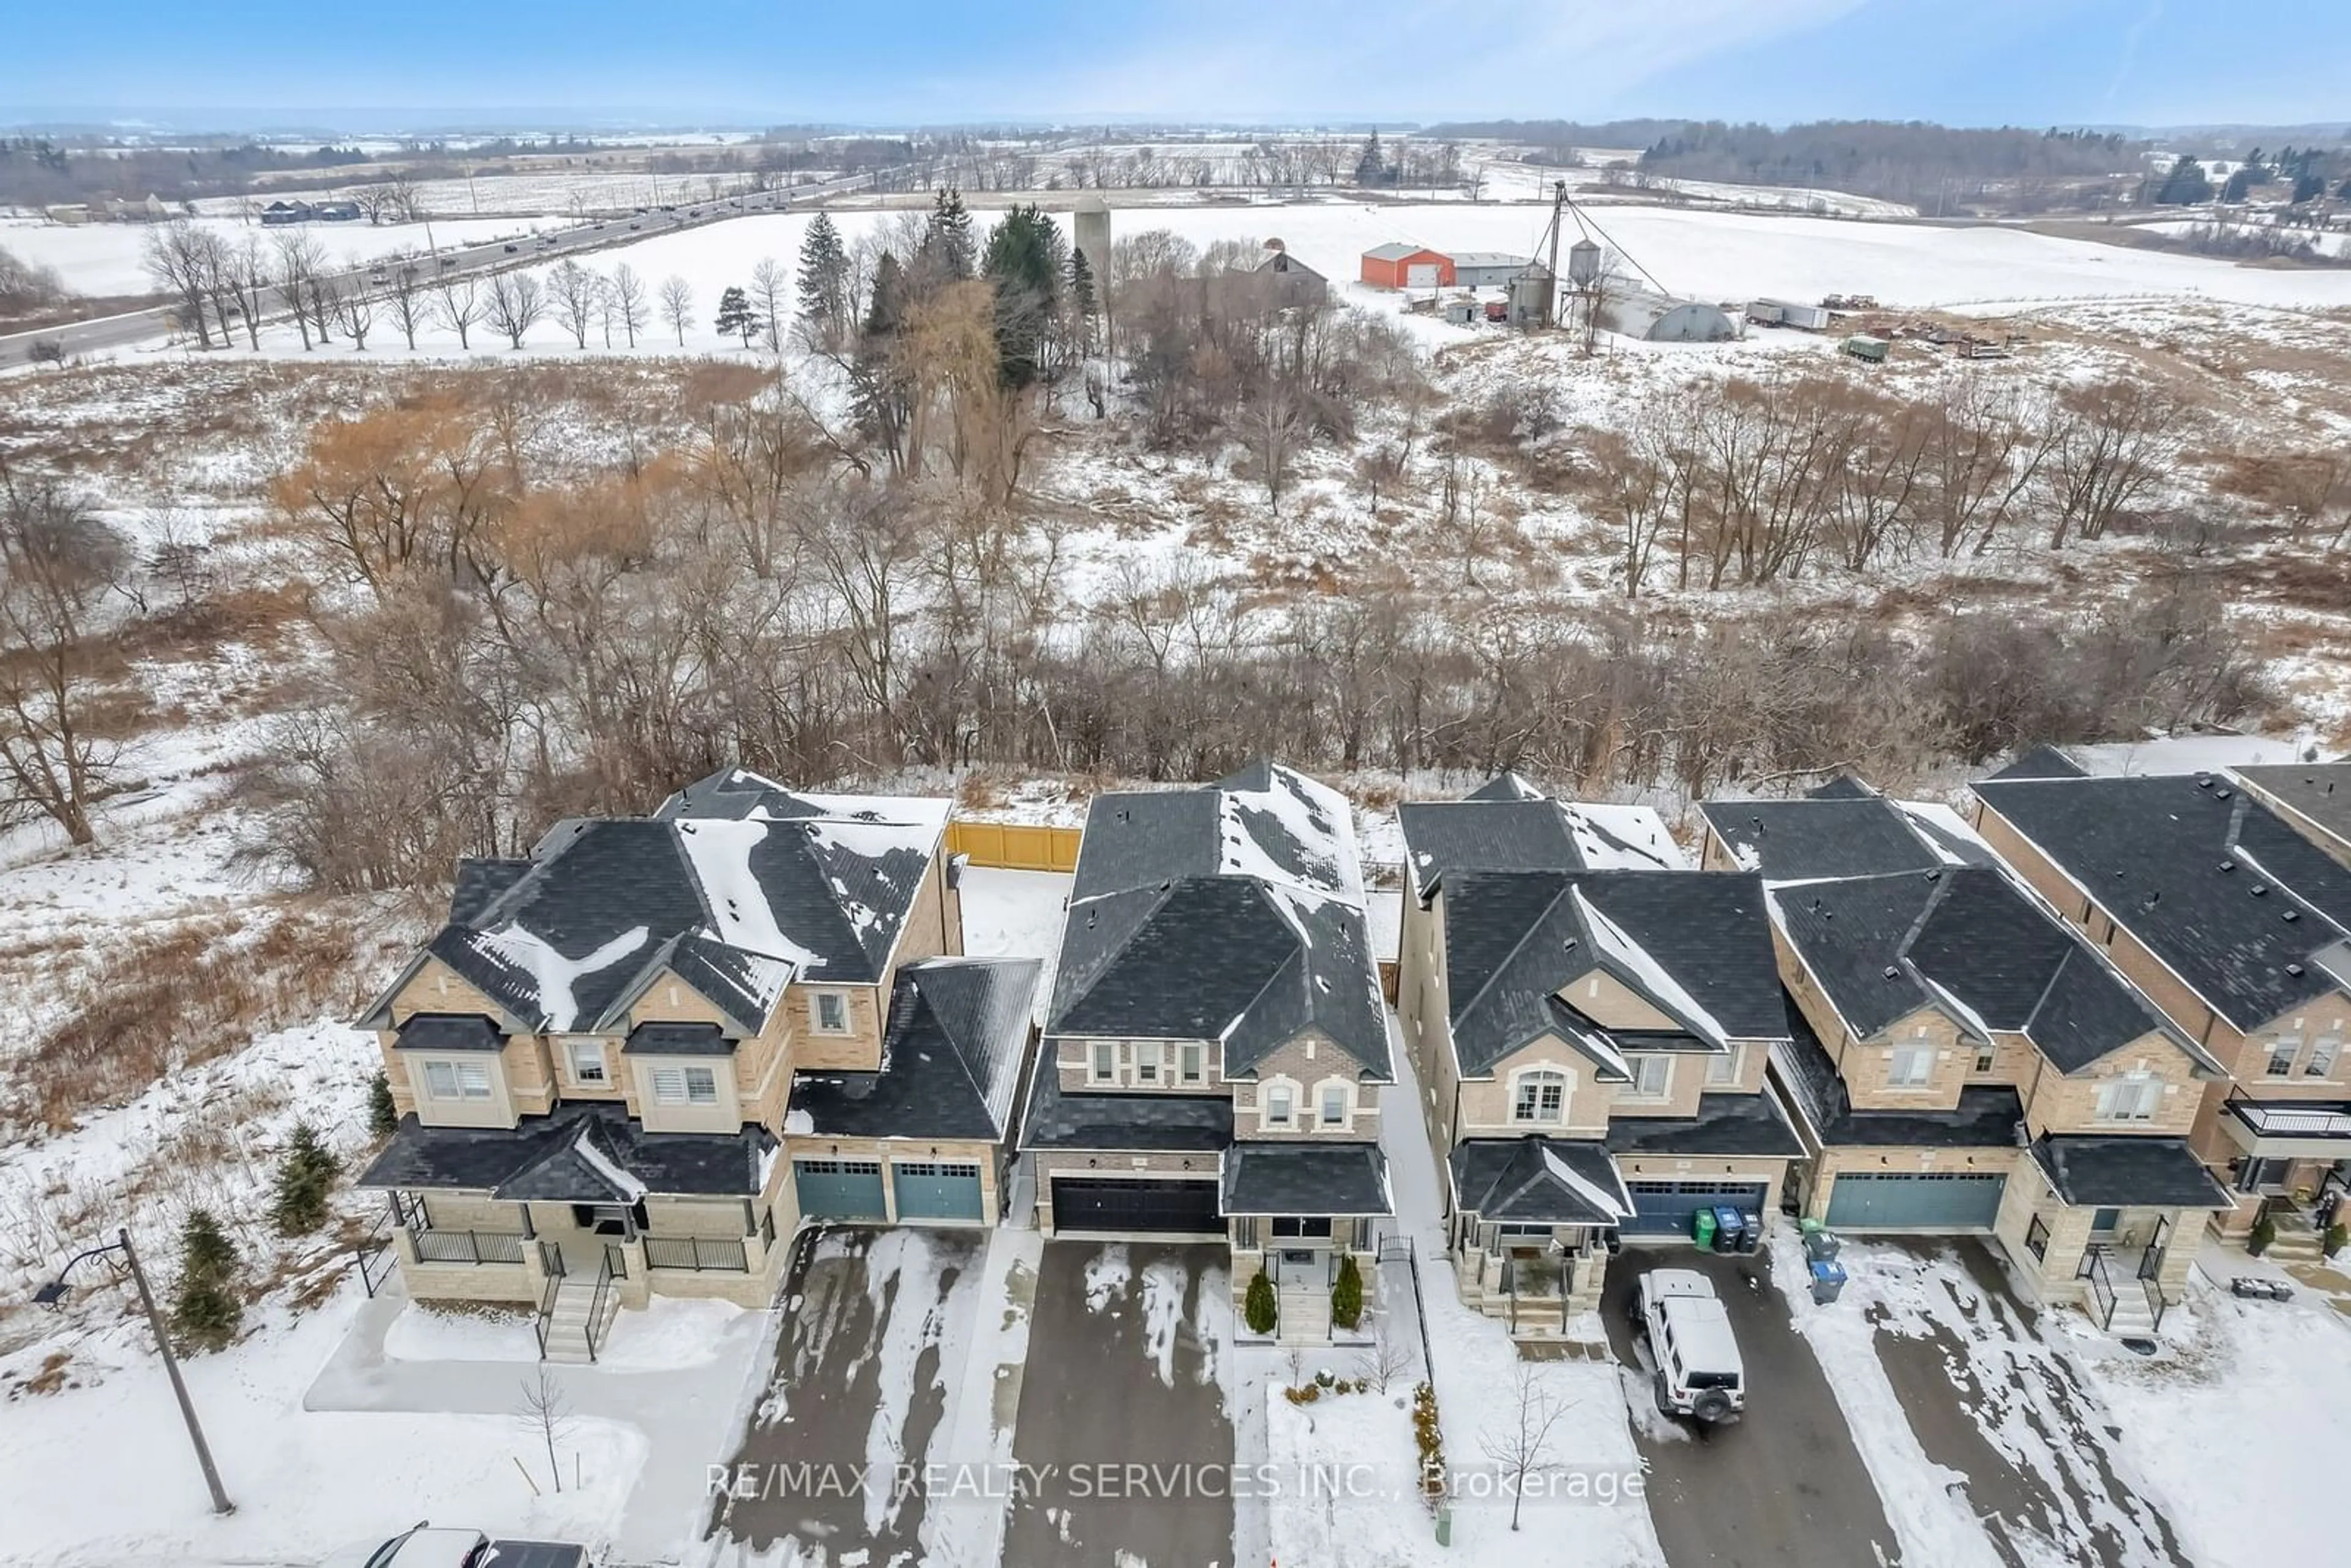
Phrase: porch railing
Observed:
(2101, 1286)
(545, 1321)
(467, 1247)
(701, 1253)
(596, 1303)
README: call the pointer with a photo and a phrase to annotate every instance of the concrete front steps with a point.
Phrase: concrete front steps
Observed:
(569, 1333)
(1305, 1318)
(2296, 1242)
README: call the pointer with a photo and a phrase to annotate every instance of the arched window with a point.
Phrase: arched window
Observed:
(1538, 1097)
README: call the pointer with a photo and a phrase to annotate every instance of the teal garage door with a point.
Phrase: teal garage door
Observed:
(839, 1190)
(938, 1189)
(1932, 1200)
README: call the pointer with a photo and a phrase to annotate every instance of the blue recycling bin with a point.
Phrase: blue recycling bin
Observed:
(1828, 1281)
(1728, 1227)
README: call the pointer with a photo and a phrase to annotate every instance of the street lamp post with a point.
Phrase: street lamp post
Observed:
(50, 1294)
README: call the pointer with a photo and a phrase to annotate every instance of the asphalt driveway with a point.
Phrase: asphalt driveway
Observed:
(1783, 1486)
(870, 1323)
(1124, 1440)
(1988, 1396)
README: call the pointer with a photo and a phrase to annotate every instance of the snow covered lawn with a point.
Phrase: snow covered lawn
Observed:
(2274, 1375)
(101, 1473)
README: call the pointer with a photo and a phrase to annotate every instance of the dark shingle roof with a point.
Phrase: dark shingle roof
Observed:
(951, 1057)
(1504, 830)
(737, 884)
(1337, 1179)
(1727, 1125)
(1968, 940)
(579, 1153)
(2043, 762)
(2213, 882)
(1986, 1117)
(1694, 944)
(677, 1039)
(449, 1031)
(2091, 1172)
(1174, 1124)
(1537, 1180)
(1232, 912)
(2320, 791)
(1797, 841)
(1843, 787)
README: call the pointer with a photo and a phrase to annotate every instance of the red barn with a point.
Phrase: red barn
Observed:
(1406, 266)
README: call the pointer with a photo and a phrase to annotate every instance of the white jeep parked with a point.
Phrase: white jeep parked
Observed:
(1700, 1373)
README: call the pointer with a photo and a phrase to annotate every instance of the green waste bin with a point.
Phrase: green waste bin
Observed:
(1702, 1229)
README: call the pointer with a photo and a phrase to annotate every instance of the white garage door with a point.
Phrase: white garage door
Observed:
(1421, 275)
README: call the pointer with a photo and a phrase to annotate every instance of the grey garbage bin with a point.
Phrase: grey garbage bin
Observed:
(1751, 1231)
(1821, 1246)
(1828, 1283)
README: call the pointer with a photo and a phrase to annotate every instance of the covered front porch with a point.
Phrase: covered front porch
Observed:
(1534, 1224)
(2111, 1225)
(2281, 1154)
(1295, 1211)
(578, 1215)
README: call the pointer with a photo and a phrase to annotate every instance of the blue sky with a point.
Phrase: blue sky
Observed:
(2032, 62)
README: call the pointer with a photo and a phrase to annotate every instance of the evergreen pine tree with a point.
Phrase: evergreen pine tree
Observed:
(735, 315)
(205, 1310)
(1371, 169)
(1024, 263)
(824, 282)
(2186, 186)
(1347, 1295)
(305, 1178)
(384, 1116)
(949, 250)
(1257, 1308)
(879, 396)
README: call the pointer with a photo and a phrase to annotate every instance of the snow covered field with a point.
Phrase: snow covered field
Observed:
(104, 258)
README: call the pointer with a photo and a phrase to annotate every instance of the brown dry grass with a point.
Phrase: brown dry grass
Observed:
(163, 998)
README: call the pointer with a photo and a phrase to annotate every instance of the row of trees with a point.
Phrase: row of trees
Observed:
(1748, 482)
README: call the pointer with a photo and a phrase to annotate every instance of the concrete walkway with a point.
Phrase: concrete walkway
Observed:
(690, 1416)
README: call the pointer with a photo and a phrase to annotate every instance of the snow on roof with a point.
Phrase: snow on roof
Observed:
(1319, 858)
(1622, 838)
(1941, 823)
(720, 850)
(1603, 1201)
(2186, 754)
(553, 973)
(1612, 942)
(623, 1181)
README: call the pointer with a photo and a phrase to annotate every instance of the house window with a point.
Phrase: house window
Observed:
(685, 1086)
(2132, 1099)
(1334, 1105)
(1146, 1064)
(1541, 1097)
(1277, 1105)
(2281, 1054)
(1911, 1066)
(1986, 1055)
(587, 1062)
(456, 1081)
(1105, 1063)
(1191, 1063)
(1652, 1076)
(2036, 1238)
(2321, 1058)
(832, 1012)
(1723, 1070)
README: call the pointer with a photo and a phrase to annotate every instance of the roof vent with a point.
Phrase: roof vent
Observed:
(1568, 946)
(2293, 914)
(2221, 794)
(1935, 875)
(2228, 865)
(2203, 781)
(2294, 970)
(2259, 888)
(1122, 814)
(2154, 897)
(1892, 973)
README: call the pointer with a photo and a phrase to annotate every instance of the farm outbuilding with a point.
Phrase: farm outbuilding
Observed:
(1407, 266)
(1656, 319)
(1485, 268)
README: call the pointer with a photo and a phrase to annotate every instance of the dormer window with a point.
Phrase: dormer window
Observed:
(2131, 1098)
(685, 1086)
(1652, 1076)
(832, 1012)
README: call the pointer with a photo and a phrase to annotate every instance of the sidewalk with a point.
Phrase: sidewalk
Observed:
(688, 1414)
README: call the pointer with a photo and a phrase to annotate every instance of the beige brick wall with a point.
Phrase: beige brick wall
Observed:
(1073, 1057)
(726, 1115)
(1867, 1064)
(1307, 1065)
(2060, 1104)
(1484, 1102)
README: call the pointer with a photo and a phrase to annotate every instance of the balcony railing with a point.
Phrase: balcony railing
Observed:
(702, 1253)
(2292, 1122)
(467, 1247)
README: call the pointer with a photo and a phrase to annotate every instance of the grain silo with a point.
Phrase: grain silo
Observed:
(1583, 264)
(1090, 227)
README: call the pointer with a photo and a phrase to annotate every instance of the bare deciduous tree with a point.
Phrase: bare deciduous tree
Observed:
(1390, 1355)
(457, 305)
(58, 564)
(514, 306)
(677, 305)
(771, 292)
(572, 289)
(1519, 1442)
(629, 301)
(545, 1412)
(404, 296)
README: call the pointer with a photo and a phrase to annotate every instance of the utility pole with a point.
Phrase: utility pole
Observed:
(1558, 213)
(179, 1387)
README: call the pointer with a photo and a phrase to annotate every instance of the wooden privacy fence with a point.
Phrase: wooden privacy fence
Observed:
(1015, 846)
